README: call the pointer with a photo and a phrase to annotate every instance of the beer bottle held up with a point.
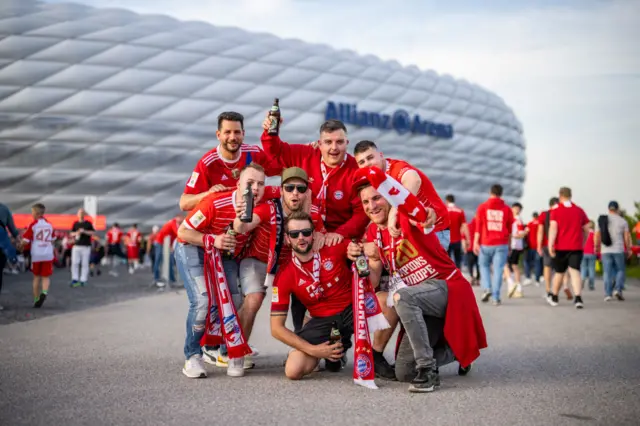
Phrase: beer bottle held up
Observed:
(362, 266)
(247, 197)
(274, 116)
(230, 231)
(335, 336)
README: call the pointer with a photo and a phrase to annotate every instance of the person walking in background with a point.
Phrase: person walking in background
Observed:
(471, 257)
(114, 249)
(169, 229)
(97, 254)
(491, 242)
(150, 246)
(532, 261)
(543, 244)
(82, 231)
(7, 251)
(40, 236)
(518, 234)
(458, 230)
(588, 265)
(615, 239)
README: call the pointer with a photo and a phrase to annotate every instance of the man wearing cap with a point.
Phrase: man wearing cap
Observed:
(615, 247)
(255, 272)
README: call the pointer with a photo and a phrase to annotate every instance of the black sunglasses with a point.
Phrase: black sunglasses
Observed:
(290, 187)
(305, 233)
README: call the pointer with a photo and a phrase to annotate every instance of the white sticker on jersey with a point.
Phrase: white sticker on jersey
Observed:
(197, 218)
(193, 180)
(274, 295)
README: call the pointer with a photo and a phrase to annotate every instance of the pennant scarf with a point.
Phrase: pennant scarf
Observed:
(222, 326)
(322, 194)
(275, 240)
(367, 317)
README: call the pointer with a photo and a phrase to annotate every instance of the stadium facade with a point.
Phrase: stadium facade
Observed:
(110, 103)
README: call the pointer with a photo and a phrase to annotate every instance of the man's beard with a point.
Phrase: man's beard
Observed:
(297, 209)
(233, 151)
(302, 251)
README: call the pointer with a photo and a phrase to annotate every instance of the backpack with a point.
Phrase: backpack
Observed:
(603, 225)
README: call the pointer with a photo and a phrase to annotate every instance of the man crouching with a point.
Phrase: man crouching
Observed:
(424, 284)
(322, 282)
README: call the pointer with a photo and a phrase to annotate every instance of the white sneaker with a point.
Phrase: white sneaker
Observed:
(254, 350)
(113, 273)
(194, 368)
(210, 356)
(160, 284)
(248, 363)
(527, 282)
(131, 271)
(608, 299)
(236, 367)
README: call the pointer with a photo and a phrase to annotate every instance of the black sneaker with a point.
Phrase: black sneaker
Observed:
(577, 302)
(425, 381)
(618, 295)
(464, 371)
(40, 301)
(382, 368)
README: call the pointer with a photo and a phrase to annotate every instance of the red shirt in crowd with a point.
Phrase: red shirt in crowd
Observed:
(168, 229)
(494, 222)
(589, 245)
(133, 238)
(571, 220)
(114, 235)
(532, 236)
(344, 212)
(472, 230)
(427, 194)
(332, 296)
(215, 215)
(456, 220)
(212, 169)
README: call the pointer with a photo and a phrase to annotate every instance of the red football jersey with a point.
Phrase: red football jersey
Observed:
(472, 230)
(331, 297)
(570, 219)
(215, 215)
(212, 169)
(344, 213)
(169, 229)
(427, 194)
(133, 238)
(494, 222)
(532, 236)
(418, 256)
(40, 235)
(456, 220)
(114, 236)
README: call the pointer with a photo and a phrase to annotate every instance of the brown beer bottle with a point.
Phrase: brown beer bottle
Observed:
(335, 336)
(274, 116)
(362, 266)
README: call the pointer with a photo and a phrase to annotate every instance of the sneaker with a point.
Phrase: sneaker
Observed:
(425, 381)
(496, 302)
(512, 289)
(517, 295)
(248, 362)
(210, 356)
(527, 282)
(486, 296)
(83, 283)
(160, 284)
(553, 300)
(222, 360)
(578, 302)
(608, 299)
(40, 300)
(254, 350)
(131, 271)
(194, 368)
(618, 295)
(74, 284)
(235, 367)
(568, 293)
(382, 368)
(536, 283)
(464, 371)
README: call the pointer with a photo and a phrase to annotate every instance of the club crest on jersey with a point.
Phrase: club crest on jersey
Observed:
(193, 179)
(235, 173)
(274, 295)
(338, 195)
(328, 265)
(197, 218)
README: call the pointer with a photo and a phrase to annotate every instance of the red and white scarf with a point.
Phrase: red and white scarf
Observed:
(315, 289)
(322, 194)
(222, 324)
(276, 239)
(367, 318)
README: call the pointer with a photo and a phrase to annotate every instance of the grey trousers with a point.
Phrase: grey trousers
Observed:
(427, 299)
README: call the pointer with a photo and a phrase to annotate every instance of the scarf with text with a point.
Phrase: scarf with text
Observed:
(276, 239)
(315, 289)
(322, 194)
(222, 324)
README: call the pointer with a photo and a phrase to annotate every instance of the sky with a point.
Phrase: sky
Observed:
(569, 69)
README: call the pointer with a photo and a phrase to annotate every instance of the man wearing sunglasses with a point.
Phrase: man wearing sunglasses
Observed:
(215, 214)
(330, 171)
(255, 277)
(426, 286)
(322, 282)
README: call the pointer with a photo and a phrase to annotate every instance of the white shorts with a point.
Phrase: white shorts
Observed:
(252, 276)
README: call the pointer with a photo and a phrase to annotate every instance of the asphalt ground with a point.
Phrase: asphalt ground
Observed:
(104, 363)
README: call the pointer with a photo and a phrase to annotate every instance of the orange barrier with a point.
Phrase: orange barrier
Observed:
(60, 222)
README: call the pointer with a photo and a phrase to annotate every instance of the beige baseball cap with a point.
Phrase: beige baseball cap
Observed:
(294, 172)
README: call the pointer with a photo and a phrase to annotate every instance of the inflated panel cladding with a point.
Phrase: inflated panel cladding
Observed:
(122, 105)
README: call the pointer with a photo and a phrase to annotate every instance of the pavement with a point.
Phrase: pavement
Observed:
(120, 364)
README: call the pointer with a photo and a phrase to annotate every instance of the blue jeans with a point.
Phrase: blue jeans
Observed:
(7, 247)
(445, 239)
(613, 266)
(496, 256)
(157, 263)
(190, 262)
(588, 269)
(533, 262)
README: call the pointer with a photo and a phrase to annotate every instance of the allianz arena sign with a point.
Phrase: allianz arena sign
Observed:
(400, 121)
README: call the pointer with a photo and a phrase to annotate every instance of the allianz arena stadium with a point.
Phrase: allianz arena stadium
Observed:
(110, 103)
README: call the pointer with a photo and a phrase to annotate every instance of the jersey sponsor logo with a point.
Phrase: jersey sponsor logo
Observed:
(338, 195)
(274, 295)
(193, 180)
(328, 265)
(197, 218)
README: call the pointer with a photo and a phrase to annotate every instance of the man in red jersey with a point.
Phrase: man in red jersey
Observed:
(134, 237)
(367, 155)
(458, 230)
(254, 276)
(568, 229)
(543, 244)
(330, 171)
(169, 229)
(219, 169)
(322, 282)
(532, 261)
(491, 242)
(114, 249)
(215, 215)
(424, 283)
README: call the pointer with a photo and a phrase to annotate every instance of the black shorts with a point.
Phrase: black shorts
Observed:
(567, 259)
(317, 330)
(514, 257)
